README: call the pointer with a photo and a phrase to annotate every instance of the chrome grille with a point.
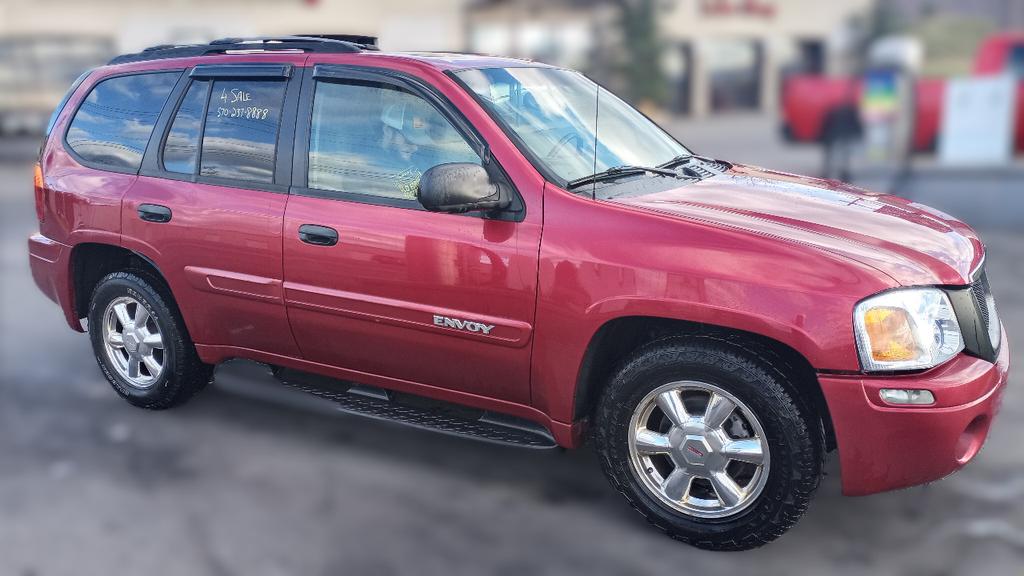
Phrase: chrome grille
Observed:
(986, 306)
(980, 290)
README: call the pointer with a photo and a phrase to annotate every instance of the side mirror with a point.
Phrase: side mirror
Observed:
(460, 187)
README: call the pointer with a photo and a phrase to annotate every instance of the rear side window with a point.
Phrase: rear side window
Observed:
(114, 122)
(181, 149)
(240, 137)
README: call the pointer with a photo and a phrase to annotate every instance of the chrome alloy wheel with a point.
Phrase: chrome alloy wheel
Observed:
(698, 449)
(133, 342)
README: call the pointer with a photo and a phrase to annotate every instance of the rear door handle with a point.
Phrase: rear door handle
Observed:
(318, 235)
(154, 213)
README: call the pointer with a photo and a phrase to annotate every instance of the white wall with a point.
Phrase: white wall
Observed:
(135, 24)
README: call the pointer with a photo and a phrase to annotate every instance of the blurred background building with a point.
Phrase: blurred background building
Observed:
(692, 57)
(683, 57)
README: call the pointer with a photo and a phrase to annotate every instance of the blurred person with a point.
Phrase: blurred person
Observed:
(408, 142)
(841, 137)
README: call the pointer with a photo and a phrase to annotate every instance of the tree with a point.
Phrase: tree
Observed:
(643, 48)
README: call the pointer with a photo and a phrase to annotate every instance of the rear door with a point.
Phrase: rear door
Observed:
(375, 284)
(209, 204)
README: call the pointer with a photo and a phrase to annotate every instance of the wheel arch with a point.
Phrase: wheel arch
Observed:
(91, 261)
(616, 338)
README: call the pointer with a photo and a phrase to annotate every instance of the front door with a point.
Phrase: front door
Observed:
(376, 285)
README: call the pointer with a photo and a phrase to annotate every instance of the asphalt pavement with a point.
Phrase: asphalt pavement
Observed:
(250, 478)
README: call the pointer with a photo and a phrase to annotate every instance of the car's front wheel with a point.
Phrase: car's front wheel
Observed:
(141, 344)
(709, 442)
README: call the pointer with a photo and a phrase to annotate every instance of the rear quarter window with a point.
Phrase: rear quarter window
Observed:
(113, 124)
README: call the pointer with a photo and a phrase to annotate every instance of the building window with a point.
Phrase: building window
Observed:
(734, 68)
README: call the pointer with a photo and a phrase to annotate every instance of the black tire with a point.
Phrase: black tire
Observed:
(184, 374)
(755, 377)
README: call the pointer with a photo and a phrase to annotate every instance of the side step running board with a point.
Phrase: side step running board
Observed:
(420, 412)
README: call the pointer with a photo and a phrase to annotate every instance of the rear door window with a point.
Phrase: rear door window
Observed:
(113, 125)
(181, 149)
(242, 122)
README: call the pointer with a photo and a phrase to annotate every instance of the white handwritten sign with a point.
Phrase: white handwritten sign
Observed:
(233, 105)
(977, 121)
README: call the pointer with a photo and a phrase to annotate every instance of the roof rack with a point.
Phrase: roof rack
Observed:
(332, 44)
(363, 41)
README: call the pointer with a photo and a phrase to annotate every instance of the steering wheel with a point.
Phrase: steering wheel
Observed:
(563, 142)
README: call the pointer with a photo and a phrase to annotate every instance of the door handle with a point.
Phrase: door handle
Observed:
(154, 213)
(318, 235)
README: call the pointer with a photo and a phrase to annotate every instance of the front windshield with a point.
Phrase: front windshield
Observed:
(570, 125)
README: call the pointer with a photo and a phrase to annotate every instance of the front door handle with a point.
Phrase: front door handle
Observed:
(318, 235)
(154, 213)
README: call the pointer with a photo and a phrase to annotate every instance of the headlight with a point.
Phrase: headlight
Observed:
(906, 329)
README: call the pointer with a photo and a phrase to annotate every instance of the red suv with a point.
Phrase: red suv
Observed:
(502, 249)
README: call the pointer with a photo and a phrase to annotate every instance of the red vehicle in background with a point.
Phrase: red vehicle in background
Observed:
(813, 106)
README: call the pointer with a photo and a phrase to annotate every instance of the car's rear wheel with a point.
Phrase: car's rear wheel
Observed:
(141, 344)
(707, 439)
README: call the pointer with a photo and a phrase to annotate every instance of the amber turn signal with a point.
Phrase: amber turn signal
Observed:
(40, 187)
(891, 333)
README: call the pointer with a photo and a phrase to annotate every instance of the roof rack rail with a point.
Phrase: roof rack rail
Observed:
(361, 40)
(336, 44)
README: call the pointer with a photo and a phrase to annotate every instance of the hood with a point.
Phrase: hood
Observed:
(912, 243)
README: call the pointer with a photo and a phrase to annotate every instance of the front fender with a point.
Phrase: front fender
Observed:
(792, 334)
(601, 261)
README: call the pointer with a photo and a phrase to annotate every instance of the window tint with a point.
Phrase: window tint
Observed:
(182, 145)
(240, 138)
(374, 139)
(1016, 61)
(113, 124)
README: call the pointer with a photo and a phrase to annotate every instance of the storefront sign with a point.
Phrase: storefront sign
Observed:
(759, 8)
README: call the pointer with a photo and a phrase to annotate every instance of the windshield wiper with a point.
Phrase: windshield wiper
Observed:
(685, 158)
(616, 171)
(677, 160)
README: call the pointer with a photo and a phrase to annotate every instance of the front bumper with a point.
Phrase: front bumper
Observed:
(884, 447)
(51, 270)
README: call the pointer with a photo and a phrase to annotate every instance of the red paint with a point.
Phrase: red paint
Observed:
(376, 292)
(779, 255)
(221, 256)
(883, 448)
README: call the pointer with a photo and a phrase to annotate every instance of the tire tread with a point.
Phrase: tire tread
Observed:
(190, 376)
(743, 356)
